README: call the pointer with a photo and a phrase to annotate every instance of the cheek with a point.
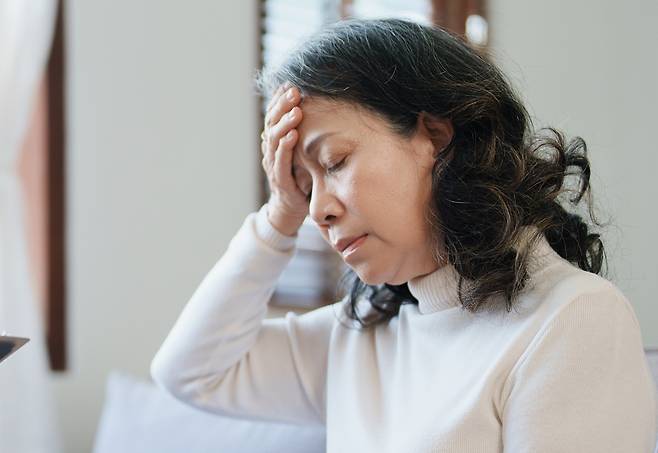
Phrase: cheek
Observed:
(396, 199)
(358, 190)
(390, 185)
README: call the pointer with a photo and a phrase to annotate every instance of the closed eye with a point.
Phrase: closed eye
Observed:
(332, 169)
(336, 167)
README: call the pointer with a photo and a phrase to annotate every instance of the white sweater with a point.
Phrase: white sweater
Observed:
(565, 372)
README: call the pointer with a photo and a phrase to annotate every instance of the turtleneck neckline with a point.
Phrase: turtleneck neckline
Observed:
(438, 290)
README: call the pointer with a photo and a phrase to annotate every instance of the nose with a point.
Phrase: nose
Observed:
(324, 207)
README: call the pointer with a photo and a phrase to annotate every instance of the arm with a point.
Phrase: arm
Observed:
(223, 356)
(583, 384)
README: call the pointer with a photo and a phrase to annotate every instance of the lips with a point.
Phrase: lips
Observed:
(343, 243)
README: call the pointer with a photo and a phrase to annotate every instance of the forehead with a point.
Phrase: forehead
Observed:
(325, 121)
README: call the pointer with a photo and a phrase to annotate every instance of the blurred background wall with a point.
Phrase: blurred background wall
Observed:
(161, 171)
(591, 68)
(162, 163)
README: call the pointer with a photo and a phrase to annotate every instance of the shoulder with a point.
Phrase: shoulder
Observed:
(564, 285)
(584, 344)
(563, 296)
(570, 305)
(558, 283)
(572, 311)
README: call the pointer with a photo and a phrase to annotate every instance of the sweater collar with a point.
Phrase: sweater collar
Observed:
(438, 290)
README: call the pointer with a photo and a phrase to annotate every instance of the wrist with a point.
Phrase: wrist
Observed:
(270, 235)
(283, 225)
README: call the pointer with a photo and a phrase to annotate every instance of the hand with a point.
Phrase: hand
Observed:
(287, 206)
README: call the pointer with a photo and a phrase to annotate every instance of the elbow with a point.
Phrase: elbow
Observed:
(164, 375)
(175, 378)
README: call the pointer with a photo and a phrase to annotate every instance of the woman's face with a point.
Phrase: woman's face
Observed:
(379, 186)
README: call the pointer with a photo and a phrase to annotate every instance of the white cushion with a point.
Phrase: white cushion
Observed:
(138, 417)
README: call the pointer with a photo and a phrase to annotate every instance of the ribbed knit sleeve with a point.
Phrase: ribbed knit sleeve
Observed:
(583, 384)
(224, 357)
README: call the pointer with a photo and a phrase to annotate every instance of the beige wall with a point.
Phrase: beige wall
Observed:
(591, 68)
(162, 160)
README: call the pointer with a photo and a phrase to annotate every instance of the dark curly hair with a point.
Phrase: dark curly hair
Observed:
(496, 176)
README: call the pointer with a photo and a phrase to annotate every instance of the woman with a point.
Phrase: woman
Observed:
(479, 322)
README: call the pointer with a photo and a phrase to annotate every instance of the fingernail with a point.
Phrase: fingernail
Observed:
(291, 94)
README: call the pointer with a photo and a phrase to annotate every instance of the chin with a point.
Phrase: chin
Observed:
(371, 277)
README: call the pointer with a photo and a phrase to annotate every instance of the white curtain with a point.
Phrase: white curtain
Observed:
(28, 422)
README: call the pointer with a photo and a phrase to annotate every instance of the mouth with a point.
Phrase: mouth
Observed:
(353, 245)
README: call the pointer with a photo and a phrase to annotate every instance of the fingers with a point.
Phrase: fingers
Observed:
(275, 144)
(283, 161)
(275, 109)
(276, 95)
(278, 165)
(287, 122)
(279, 138)
(285, 101)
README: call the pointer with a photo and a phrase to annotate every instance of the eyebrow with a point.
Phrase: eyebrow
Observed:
(311, 148)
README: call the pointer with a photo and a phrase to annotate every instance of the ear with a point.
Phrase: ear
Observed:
(439, 131)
